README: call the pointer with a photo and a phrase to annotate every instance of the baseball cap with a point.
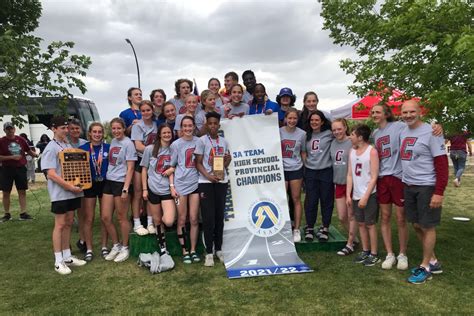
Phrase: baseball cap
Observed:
(8, 125)
(285, 91)
(58, 121)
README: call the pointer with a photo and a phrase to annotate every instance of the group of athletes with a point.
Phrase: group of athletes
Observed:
(162, 158)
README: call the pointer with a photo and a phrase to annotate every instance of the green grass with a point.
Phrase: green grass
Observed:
(30, 285)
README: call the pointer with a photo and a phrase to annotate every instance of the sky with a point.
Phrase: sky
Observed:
(281, 41)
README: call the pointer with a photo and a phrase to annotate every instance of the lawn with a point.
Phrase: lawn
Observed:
(30, 285)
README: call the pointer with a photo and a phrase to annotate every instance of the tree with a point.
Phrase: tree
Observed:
(423, 47)
(26, 70)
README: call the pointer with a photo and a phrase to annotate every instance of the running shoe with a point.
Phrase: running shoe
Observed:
(151, 229)
(140, 230)
(25, 216)
(122, 255)
(74, 262)
(62, 268)
(419, 276)
(389, 261)
(209, 260)
(371, 260)
(296, 235)
(6, 218)
(402, 262)
(434, 268)
(113, 253)
(361, 256)
(220, 255)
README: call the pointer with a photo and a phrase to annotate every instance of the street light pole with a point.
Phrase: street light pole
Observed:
(136, 60)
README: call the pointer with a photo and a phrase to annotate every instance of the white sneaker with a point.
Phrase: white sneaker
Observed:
(389, 262)
(209, 261)
(220, 255)
(151, 229)
(75, 262)
(113, 253)
(123, 255)
(456, 182)
(402, 263)
(140, 230)
(62, 268)
(296, 235)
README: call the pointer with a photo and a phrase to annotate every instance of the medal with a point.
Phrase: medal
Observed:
(99, 179)
(97, 163)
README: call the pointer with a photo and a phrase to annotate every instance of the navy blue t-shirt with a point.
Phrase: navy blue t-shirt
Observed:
(129, 115)
(105, 158)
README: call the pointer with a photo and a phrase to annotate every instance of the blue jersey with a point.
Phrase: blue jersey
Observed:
(262, 108)
(105, 158)
(130, 115)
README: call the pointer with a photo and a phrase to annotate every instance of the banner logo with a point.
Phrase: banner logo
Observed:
(265, 219)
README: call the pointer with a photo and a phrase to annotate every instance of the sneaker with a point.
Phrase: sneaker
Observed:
(151, 229)
(388, 262)
(25, 216)
(122, 255)
(6, 218)
(419, 276)
(296, 235)
(309, 234)
(220, 255)
(74, 262)
(361, 256)
(62, 268)
(456, 182)
(370, 260)
(209, 261)
(81, 245)
(434, 268)
(402, 262)
(140, 230)
(113, 253)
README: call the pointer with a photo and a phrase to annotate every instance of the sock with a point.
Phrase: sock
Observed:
(426, 268)
(136, 222)
(58, 257)
(391, 254)
(433, 262)
(66, 254)
(149, 220)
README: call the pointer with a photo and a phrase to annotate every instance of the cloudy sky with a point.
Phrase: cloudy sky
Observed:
(281, 41)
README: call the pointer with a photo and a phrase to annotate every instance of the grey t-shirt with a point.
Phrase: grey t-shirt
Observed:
(144, 133)
(199, 123)
(120, 152)
(207, 147)
(179, 104)
(157, 183)
(387, 143)
(50, 160)
(182, 157)
(340, 159)
(292, 144)
(247, 97)
(417, 151)
(235, 109)
(79, 143)
(318, 150)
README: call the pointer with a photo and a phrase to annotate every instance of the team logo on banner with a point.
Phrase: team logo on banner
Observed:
(265, 219)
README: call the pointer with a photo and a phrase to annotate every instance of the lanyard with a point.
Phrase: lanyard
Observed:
(57, 143)
(97, 162)
(263, 109)
(214, 148)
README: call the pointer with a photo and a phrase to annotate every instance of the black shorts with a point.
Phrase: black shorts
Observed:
(156, 199)
(293, 175)
(62, 207)
(138, 168)
(417, 206)
(115, 188)
(96, 190)
(8, 175)
(368, 215)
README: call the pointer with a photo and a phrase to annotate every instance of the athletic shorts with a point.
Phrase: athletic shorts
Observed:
(138, 168)
(115, 188)
(156, 199)
(340, 191)
(62, 207)
(417, 206)
(390, 190)
(368, 215)
(96, 190)
(8, 175)
(293, 175)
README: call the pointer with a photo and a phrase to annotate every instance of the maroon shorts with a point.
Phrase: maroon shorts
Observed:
(390, 190)
(340, 191)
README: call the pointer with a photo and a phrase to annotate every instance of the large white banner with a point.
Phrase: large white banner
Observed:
(258, 239)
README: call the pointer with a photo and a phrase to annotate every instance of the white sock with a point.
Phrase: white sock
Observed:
(136, 222)
(58, 257)
(66, 254)
(149, 220)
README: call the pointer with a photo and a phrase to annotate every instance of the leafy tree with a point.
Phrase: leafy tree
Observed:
(423, 47)
(25, 69)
